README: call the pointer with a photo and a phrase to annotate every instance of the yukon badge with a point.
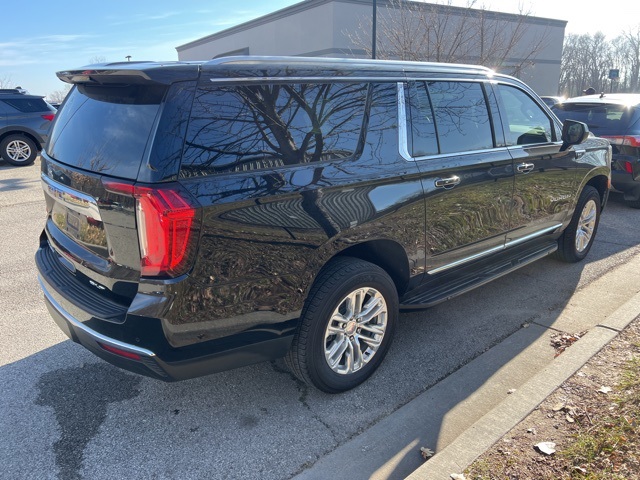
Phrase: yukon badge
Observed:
(97, 285)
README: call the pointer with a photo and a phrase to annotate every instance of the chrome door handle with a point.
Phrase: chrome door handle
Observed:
(525, 167)
(447, 183)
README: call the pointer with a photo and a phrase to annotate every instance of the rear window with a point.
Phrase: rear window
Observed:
(602, 119)
(106, 129)
(27, 105)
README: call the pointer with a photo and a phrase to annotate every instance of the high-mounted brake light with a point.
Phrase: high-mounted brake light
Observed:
(167, 227)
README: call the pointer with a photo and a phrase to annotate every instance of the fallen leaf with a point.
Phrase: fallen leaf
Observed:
(458, 476)
(605, 390)
(557, 407)
(513, 390)
(426, 453)
(548, 448)
(570, 419)
(532, 431)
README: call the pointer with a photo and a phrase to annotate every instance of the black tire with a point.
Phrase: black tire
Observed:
(18, 150)
(633, 203)
(366, 284)
(578, 237)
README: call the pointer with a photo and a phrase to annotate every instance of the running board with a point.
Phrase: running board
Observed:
(445, 286)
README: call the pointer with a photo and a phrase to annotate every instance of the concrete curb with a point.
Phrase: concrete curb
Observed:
(461, 416)
(460, 453)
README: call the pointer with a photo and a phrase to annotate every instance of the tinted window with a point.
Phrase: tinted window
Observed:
(422, 137)
(265, 126)
(105, 129)
(458, 112)
(28, 105)
(524, 120)
(602, 119)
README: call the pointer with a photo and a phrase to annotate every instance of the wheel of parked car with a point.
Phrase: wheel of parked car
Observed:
(576, 241)
(18, 150)
(346, 327)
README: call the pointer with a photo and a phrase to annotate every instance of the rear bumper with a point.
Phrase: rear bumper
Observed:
(623, 182)
(115, 342)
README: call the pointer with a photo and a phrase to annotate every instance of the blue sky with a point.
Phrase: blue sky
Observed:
(43, 36)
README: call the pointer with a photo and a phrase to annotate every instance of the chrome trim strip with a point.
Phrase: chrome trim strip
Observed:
(259, 79)
(458, 154)
(466, 260)
(92, 333)
(485, 253)
(531, 236)
(74, 200)
(403, 139)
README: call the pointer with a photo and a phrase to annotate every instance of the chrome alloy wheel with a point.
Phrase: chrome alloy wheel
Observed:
(355, 330)
(18, 150)
(586, 225)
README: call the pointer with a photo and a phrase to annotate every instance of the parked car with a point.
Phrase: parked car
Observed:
(204, 216)
(551, 100)
(24, 125)
(616, 118)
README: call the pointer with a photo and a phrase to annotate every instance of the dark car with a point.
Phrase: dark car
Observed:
(24, 126)
(551, 100)
(616, 118)
(204, 216)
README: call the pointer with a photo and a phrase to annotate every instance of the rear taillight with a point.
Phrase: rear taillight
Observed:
(49, 116)
(627, 140)
(628, 167)
(168, 227)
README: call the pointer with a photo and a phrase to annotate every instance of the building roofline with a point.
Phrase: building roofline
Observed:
(309, 4)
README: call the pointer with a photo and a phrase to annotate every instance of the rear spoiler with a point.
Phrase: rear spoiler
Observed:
(132, 73)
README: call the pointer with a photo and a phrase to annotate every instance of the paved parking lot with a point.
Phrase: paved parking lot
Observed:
(66, 414)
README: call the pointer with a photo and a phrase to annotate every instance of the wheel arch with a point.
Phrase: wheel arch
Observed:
(6, 133)
(388, 255)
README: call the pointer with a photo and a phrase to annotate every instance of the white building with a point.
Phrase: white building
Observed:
(327, 27)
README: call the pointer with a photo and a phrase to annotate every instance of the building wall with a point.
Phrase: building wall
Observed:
(326, 28)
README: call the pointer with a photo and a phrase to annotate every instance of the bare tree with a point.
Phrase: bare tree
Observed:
(58, 96)
(410, 30)
(6, 81)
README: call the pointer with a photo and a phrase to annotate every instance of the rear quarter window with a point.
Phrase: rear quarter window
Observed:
(601, 118)
(27, 105)
(253, 127)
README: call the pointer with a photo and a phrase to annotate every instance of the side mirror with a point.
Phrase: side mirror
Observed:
(573, 132)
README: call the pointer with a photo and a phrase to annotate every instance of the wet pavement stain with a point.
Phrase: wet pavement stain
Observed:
(79, 397)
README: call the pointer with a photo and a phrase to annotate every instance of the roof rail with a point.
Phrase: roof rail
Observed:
(11, 90)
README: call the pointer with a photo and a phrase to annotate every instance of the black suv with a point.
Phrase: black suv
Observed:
(204, 216)
(24, 125)
(615, 117)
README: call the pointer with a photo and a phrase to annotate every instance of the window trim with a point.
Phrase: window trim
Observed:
(403, 129)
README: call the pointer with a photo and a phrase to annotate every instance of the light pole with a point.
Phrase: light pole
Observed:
(373, 33)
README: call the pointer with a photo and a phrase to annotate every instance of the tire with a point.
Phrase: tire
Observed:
(577, 239)
(18, 150)
(336, 347)
(633, 203)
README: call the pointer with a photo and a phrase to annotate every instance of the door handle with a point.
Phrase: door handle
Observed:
(447, 183)
(525, 167)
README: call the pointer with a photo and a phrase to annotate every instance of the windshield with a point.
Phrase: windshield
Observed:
(602, 119)
(105, 129)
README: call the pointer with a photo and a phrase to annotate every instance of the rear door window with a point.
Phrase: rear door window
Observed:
(253, 127)
(106, 129)
(449, 117)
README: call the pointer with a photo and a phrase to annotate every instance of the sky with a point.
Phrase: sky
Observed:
(43, 36)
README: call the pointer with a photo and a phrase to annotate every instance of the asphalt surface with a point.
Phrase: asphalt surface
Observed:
(68, 415)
